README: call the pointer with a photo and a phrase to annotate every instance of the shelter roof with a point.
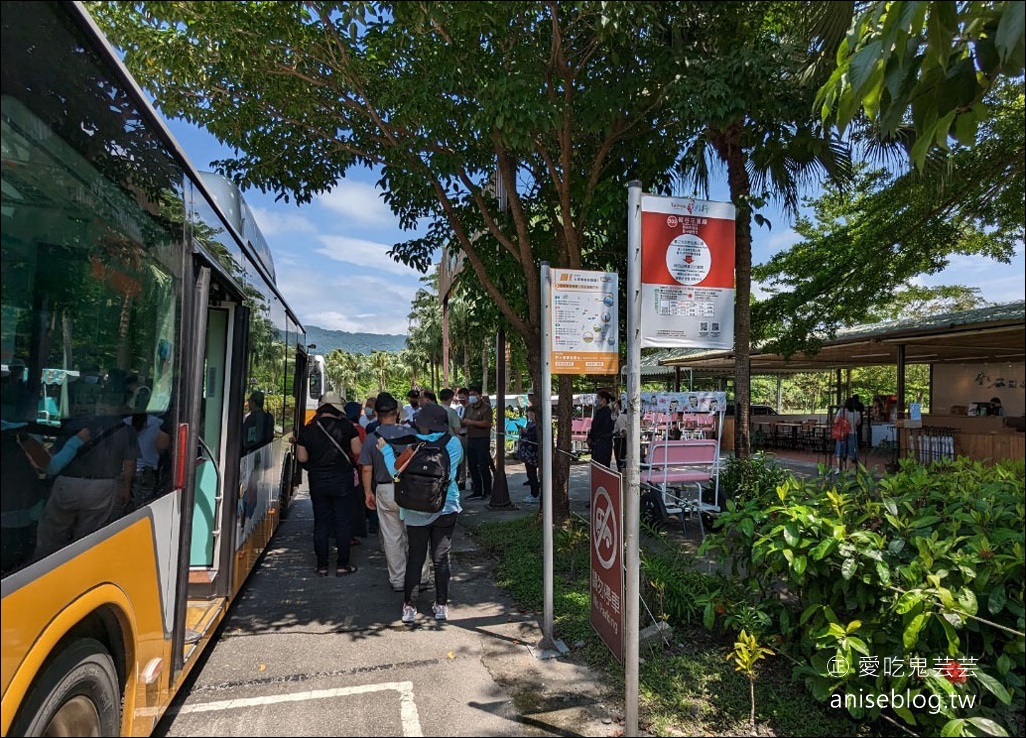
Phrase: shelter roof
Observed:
(994, 334)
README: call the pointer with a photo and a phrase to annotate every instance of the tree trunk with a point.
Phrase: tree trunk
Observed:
(562, 459)
(445, 342)
(484, 369)
(730, 151)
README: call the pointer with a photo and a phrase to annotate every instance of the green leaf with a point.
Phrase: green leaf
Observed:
(993, 686)
(907, 601)
(997, 599)
(952, 728)
(823, 548)
(800, 563)
(988, 726)
(967, 599)
(848, 568)
(1009, 36)
(884, 573)
(791, 534)
(911, 634)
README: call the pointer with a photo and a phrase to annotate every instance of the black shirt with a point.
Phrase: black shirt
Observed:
(326, 463)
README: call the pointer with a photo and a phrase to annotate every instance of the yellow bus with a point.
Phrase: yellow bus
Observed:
(139, 298)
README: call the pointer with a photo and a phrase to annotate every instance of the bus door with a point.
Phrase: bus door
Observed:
(216, 471)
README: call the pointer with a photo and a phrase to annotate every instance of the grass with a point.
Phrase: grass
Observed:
(686, 688)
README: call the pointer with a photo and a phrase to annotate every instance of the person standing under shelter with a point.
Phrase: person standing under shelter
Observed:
(326, 447)
(477, 419)
(846, 445)
(379, 494)
(430, 532)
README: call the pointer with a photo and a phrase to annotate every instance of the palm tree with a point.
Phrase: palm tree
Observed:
(381, 364)
(765, 135)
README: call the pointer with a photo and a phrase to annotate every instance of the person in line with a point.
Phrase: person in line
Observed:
(430, 532)
(326, 447)
(461, 405)
(600, 436)
(620, 435)
(96, 480)
(847, 447)
(361, 514)
(369, 412)
(445, 397)
(527, 451)
(996, 408)
(411, 406)
(477, 419)
(379, 494)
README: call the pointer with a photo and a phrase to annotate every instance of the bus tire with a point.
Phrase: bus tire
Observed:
(76, 694)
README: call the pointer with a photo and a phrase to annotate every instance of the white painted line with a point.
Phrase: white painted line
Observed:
(407, 705)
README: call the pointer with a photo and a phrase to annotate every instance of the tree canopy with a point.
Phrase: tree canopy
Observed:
(927, 66)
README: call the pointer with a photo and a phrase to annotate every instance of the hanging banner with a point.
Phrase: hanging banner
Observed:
(584, 330)
(687, 273)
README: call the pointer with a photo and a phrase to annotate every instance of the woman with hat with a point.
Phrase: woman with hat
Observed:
(430, 531)
(326, 448)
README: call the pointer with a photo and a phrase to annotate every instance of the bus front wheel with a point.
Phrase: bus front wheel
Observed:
(77, 694)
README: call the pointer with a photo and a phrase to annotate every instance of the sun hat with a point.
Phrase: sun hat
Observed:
(332, 398)
(432, 419)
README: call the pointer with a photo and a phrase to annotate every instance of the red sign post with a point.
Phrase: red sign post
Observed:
(607, 615)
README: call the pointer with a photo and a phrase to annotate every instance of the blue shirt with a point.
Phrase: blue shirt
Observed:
(452, 496)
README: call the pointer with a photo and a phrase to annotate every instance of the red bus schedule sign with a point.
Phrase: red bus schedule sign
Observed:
(607, 558)
(687, 273)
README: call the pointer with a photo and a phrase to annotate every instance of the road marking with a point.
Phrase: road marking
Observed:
(407, 705)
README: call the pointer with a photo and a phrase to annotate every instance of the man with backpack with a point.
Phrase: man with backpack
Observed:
(379, 492)
(429, 503)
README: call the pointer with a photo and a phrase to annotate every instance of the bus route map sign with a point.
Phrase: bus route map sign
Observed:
(687, 273)
(606, 580)
(584, 328)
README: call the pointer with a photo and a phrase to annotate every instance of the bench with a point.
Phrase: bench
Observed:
(673, 476)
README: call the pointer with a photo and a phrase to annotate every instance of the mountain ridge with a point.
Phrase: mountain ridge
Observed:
(327, 340)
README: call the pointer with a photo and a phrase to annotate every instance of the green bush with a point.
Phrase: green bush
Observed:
(752, 477)
(924, 567)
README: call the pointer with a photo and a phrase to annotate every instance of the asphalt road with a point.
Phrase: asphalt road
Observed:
(302, 655)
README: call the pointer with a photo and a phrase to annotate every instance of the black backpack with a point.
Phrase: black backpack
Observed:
(423, 483)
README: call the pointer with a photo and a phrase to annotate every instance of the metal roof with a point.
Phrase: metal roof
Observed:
(994, 334)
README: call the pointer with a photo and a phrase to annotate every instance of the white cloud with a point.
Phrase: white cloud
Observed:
(278, 223)
(360, 203)
(364, 253)
(348, 302)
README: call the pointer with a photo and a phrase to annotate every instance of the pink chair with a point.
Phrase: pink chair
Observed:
(673, 476)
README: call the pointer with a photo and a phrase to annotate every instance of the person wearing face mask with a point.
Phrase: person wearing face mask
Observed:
(477, 419)
(368, 415)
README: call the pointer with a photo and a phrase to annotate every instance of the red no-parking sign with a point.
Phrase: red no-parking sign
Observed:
(607, 558)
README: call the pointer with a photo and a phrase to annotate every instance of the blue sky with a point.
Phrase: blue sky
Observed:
(333, 268)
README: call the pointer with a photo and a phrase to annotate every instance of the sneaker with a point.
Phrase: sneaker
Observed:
(409, 613)
(529, 500)
(441, 611)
